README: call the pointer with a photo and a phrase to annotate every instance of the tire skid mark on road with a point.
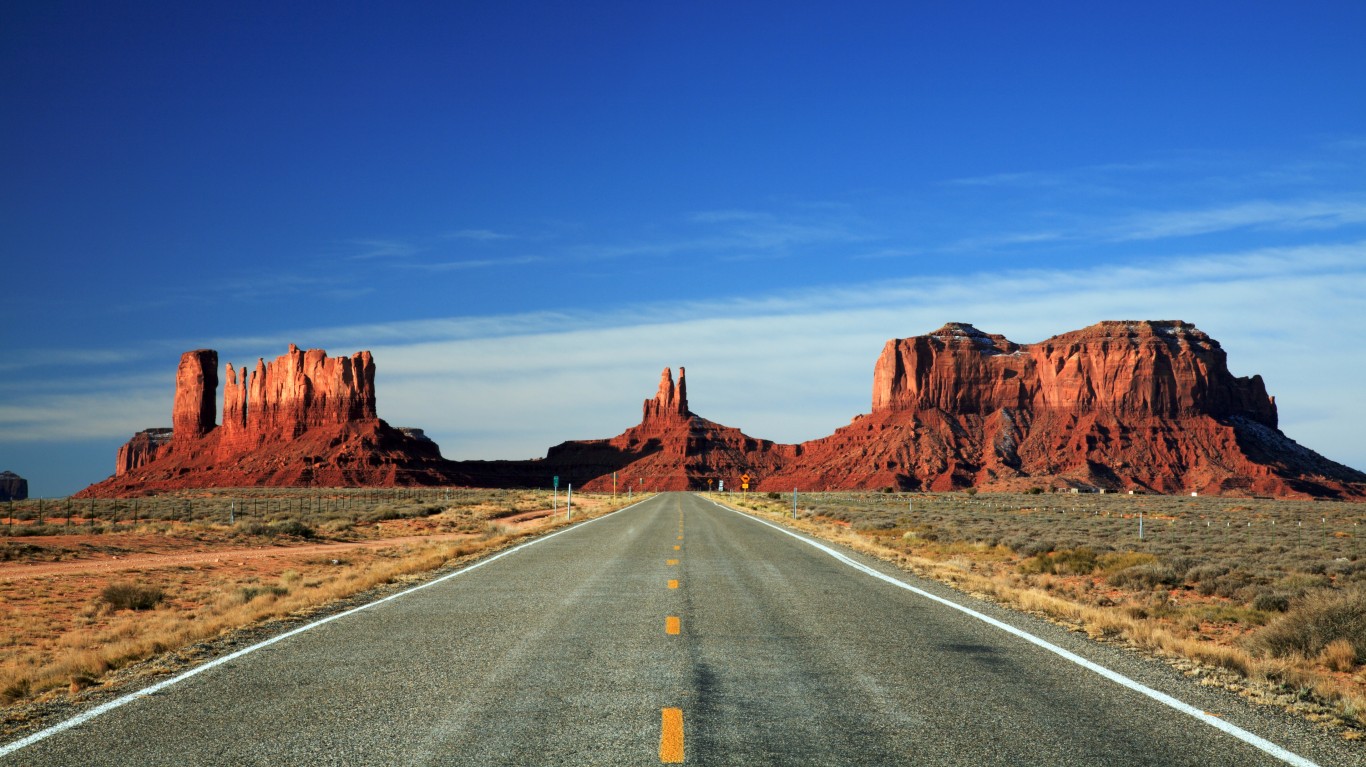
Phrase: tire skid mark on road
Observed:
(1245, 736)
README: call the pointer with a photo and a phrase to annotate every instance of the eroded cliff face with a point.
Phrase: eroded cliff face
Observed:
(1143, 405)
(13, 487)
(196, 383)
(1165, 369)
(304, 389)
(670, 449)
(303, 418)
(1147, 405)
(670, 403)
(141, 450)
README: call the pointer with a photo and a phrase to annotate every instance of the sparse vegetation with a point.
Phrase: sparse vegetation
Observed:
(68, 634)
(1274, 591)
(132, 596)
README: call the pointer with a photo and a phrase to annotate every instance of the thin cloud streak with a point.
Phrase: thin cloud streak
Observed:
(475, 263)
(1322, 214)
(481, 235)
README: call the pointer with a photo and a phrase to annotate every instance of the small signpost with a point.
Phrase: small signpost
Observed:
(555, 495)
(744, 483)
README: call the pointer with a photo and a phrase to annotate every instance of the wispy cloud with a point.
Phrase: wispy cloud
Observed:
(382, 249)
(480, 235)
(742, 234)
(1023, 179)
(1262, 215)
(475, 263)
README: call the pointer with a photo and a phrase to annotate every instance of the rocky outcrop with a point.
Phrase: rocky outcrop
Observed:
(12, 487)
(670, 404)
(1138, 405)
(670, 449)
(1143, 369)
(196, 383)
(304, 389)
(141, 450)
(301, 419)
(1132, 405)
(1118, 405)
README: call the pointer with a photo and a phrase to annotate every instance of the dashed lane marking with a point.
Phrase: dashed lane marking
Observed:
(673, 584)
(671, 625)
(671, 736)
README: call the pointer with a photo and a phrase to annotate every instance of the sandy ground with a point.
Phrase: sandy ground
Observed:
(105, 554)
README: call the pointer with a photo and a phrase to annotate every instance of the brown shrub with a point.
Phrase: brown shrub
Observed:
(132, 596)
(1318, 620)
(1339, 655)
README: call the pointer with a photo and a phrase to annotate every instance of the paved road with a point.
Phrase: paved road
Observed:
(605, 644)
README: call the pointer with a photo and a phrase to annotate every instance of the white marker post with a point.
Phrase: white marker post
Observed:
(569, 502)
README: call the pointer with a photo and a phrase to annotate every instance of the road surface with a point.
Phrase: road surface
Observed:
(673, 630)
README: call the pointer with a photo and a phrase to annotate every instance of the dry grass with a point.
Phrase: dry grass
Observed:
(63, 634)
(1240, 590)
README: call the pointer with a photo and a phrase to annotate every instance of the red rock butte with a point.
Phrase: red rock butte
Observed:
(1146, 406)
(302, 419)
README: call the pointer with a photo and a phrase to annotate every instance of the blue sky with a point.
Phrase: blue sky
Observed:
(527, 209)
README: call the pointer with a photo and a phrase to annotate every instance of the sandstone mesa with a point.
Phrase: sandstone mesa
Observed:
(1148, 406)
(12, 487)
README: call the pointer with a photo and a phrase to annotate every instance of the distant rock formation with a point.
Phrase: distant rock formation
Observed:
(12, 487)
(1133, 405)
(670, 403)
(1146, 406)
(1136, 405)
(671, 449)
(301, 419)
(141, 450)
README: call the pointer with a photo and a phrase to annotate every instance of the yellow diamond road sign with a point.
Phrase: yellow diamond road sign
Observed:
(744, 478)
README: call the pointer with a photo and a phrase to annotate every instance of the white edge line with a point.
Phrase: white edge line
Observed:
(105, 708)
(1161, 697)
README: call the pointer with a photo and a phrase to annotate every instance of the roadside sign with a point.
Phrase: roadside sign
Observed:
(744, 485)
(557, 481)
(720, 484)
(744, 478)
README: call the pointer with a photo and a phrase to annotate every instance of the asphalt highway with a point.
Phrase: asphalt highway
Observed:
(672, 631)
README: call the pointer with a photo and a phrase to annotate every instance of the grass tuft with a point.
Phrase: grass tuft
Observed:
(132, 596)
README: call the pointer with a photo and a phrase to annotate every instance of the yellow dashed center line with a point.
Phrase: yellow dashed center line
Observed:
(671, 719)
(671, 736)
